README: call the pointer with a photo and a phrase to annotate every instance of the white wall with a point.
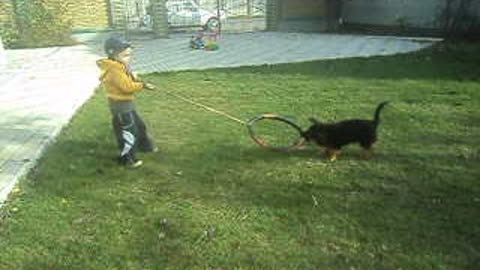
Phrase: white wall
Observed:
(416, 13)
(3, 56)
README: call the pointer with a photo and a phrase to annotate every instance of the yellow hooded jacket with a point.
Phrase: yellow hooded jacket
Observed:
(118, 84)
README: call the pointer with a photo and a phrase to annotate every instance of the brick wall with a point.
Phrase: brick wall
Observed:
(82, 13)
(302, 15)
(303, 8)
(6, 12)
(88, 13)
(272, 15)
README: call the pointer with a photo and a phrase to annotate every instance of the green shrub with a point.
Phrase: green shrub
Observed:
(9, 35)
(41, 24)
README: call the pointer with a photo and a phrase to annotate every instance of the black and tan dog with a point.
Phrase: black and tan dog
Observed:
(336, 135)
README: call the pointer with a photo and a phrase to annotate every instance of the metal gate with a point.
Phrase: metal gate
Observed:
(193, 13)
(137, 14)
(244, 8)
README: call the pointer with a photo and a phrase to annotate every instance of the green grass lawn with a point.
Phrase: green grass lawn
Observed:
(212, 199)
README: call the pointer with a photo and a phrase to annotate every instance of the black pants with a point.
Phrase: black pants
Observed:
(131, 135)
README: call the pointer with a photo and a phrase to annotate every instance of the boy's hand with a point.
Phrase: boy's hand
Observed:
(135, 76)
(149, 86)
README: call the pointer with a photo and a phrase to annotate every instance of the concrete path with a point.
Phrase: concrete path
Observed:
(41, 89)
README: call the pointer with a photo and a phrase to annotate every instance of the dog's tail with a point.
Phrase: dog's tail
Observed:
(376, 118)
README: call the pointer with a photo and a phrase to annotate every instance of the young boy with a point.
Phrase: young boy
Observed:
(121, 85)
(197, 42)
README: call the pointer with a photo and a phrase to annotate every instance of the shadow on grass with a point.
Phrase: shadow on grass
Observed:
(450, 61)
(405, 203)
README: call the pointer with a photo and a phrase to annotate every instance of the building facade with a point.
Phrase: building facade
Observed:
(81, 13)
(281, 15)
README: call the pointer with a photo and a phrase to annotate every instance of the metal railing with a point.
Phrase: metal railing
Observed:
(193, 12)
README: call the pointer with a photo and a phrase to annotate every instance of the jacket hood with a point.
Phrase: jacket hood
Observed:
(107, 64)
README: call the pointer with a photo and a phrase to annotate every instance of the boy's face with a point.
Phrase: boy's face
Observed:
(125, 56)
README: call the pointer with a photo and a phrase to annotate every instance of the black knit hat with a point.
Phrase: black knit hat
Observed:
(114, 45)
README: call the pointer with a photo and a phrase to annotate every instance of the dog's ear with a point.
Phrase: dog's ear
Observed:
(314, 121)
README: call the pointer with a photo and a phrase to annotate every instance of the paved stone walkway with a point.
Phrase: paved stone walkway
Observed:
(41, 89)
